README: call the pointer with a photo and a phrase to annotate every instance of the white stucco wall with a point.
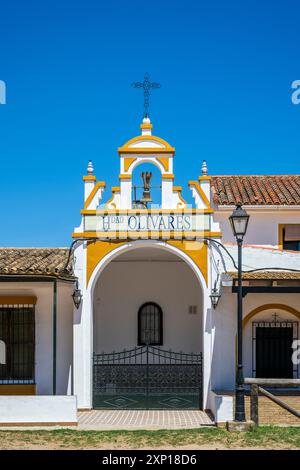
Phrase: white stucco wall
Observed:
(43, 410)
(224, 326)
(44, 329)
(263, 225)
(124, 286)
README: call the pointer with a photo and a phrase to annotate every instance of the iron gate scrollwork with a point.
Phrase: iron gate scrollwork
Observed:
(147, 377)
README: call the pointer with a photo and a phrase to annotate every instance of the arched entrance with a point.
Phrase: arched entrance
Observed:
(147, 331)
(269, 333)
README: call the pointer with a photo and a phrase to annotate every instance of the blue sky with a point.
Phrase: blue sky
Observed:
(225, 67)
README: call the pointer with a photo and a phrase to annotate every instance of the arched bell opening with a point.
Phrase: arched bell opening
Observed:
(146, 186)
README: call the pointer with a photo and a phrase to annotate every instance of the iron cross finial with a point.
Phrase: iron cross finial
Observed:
(147, 85)
(275, 317)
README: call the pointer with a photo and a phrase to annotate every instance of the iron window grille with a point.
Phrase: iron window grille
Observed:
(150, 325)
(17, 331)
(272, 349)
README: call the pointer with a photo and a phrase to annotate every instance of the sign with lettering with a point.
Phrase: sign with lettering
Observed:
(147, 222)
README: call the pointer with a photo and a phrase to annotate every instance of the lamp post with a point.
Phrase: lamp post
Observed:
(239, 222)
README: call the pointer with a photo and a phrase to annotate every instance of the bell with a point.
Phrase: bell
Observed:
(146, 193)
(146, 196)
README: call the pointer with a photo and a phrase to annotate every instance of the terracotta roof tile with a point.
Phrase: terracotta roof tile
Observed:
(35, 261)
(256, 190)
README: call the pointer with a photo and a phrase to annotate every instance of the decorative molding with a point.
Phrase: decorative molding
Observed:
(89, 199)
(17, 300)
(200, 192)
(183, 210)
(89, 178)
(164, 161)
(124, 177)
(128, 162)
(168, 177)
(204, 178)
(264, 307)
(154, 234)
(166, 147)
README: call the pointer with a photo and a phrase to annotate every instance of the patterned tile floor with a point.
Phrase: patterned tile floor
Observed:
(142, 419)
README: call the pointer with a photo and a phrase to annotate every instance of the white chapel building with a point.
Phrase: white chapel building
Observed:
(140, 312)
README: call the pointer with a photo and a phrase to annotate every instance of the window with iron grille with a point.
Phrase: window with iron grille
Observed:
(17, 331)
(150, 324)
(272, 349)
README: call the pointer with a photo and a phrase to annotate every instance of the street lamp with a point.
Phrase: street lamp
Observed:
(77, 296)
(239, 222)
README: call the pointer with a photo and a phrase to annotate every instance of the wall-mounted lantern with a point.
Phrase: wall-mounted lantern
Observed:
(77, 296)
(215, 297)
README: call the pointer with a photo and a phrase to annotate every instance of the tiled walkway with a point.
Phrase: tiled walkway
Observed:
(142, 419)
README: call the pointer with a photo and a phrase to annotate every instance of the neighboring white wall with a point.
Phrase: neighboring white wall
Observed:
(64, 352)
(224, 327)
(223, 353)
(262, 228)
(124, 286)
(44, 332)
(221, 407)
(35, 409)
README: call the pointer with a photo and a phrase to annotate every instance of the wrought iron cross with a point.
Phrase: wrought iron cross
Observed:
(275, 317)
(147, 85)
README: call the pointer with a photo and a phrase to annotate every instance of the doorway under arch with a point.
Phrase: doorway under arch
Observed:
(167, 374)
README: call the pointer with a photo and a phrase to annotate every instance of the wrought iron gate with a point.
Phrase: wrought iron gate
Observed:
(147, 377)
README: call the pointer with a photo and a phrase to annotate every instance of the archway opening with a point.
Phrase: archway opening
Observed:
(270, 331)
(148, 331)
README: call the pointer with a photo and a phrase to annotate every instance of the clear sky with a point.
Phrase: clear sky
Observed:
(226, 69)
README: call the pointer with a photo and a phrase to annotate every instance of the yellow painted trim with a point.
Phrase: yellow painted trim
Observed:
(200, 192)
(89, 178)
(164, 161)
(177, 188)
(18, 389)
(143, 150)
(181, 198)
(124, 177)
(204, 178)
(89, 199)
(95, 252)
(128, 162)
(168, 177)
(110, 200)
(280, 235)
(146, 211)
(17, 300)
(146, 126)
(199, 256)
(264, 307)
(147, 234)
(114, 190)
(99, 249)
(126, 147)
